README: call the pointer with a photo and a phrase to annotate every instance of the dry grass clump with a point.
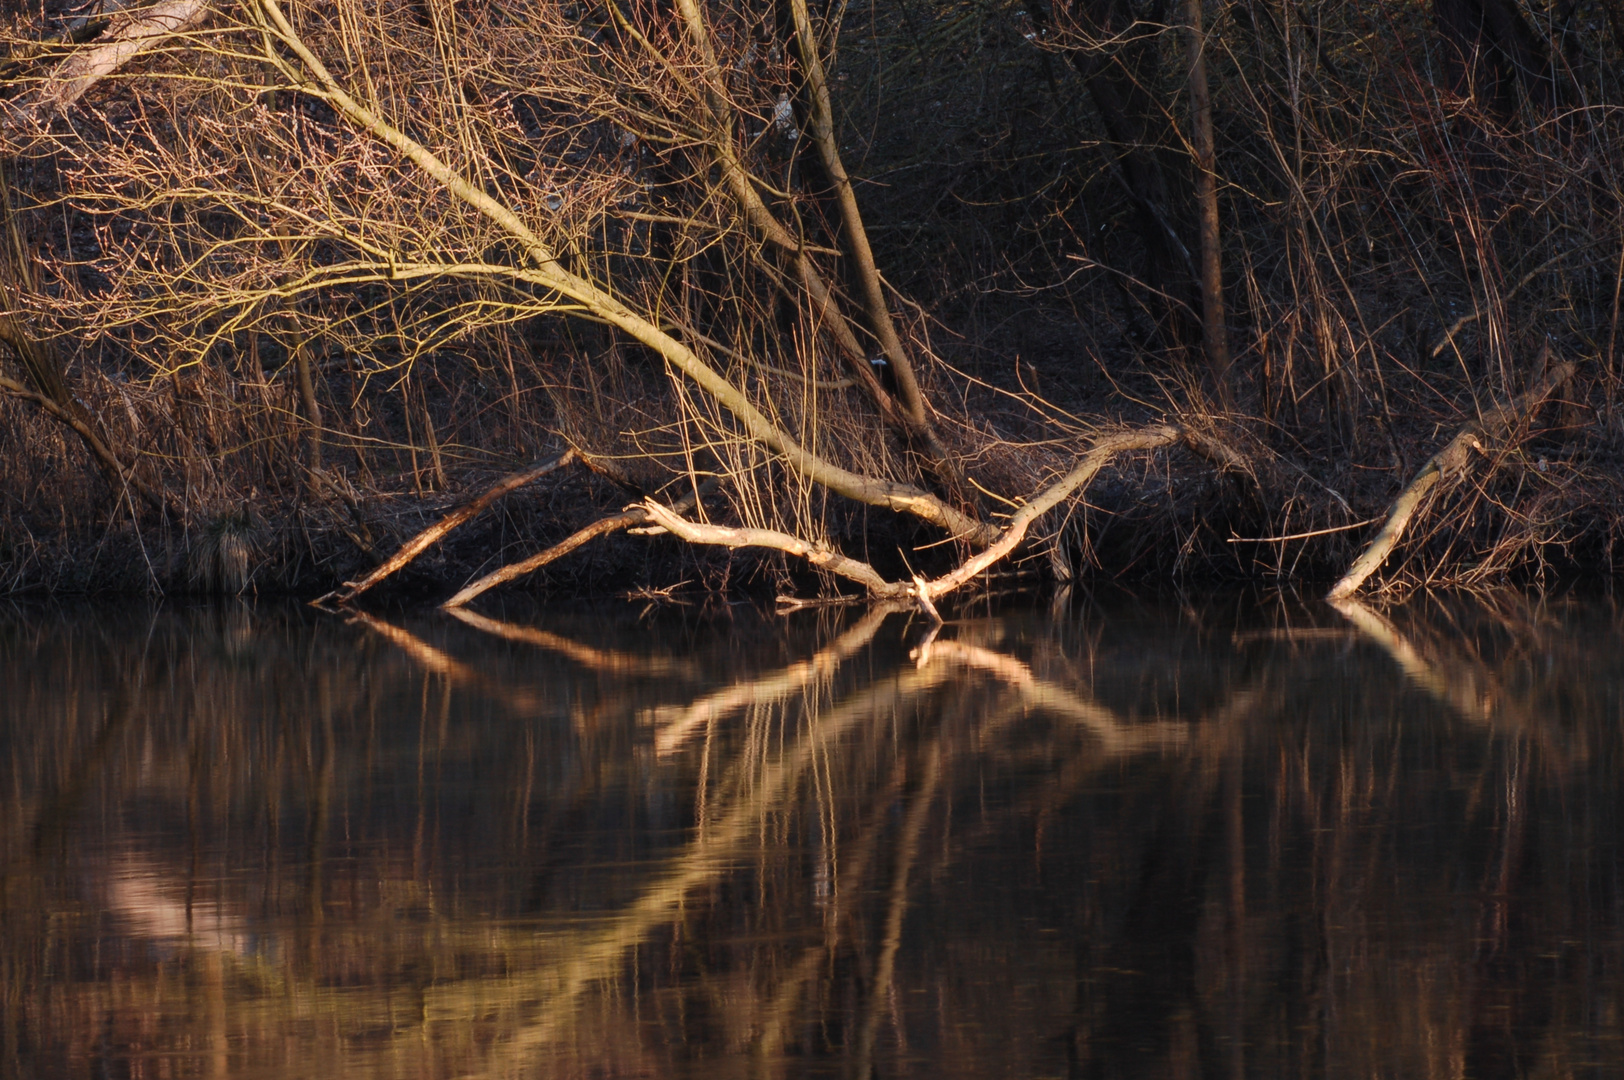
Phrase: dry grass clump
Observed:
(223, 556)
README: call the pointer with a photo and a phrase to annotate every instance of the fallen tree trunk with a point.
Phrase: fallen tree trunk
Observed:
(1453, 458)
(920, 590)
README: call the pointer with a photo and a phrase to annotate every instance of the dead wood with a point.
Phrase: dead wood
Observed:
(923, 592)
(627, 519)
(1454, 458)
(1148, 438)
(432, 535)
(128, 35)
(819, 554)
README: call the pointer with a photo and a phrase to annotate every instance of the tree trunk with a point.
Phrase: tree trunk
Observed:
(1120, 70)
(1214, 335)
(1489, 48)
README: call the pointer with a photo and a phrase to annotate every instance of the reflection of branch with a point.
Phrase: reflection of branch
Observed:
(846, 886)
(606, 660)
(907, 847)
(590, 957)
(1461, 694)
(1119, 738)
(1464, 683)
(1291, 635)
(426, 655)
(677, 722)
(58, 812)
(442, 663)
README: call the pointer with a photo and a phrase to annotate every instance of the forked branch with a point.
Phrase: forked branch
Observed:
(925, 592)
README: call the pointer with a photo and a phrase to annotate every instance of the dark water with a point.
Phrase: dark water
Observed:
(1222, 839)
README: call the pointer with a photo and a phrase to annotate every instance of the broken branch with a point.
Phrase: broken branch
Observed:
(1453, 458)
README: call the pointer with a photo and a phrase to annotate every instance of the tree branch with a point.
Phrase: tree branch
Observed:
(1454, 457)
(432, 535)
(128, 35)
(923, 592)
(551, 274)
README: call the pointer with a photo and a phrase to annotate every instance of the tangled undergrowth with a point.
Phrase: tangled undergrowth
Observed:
(853, 292)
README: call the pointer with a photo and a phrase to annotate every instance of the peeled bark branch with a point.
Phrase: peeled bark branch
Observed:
(1453, 458)
(627, 519)
(128, 35)
(1150, 438)
(818, 554)
(923, 592)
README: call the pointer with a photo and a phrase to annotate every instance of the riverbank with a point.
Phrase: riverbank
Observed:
(866, 306)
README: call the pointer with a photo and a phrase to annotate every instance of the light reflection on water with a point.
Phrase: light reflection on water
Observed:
(1224, 839)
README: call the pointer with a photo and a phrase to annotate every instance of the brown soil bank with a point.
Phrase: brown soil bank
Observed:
(895, 301)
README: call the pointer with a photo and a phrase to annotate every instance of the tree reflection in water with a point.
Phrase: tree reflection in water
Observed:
(1159, 840)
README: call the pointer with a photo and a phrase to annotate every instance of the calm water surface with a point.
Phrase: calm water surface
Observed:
(1123, 839)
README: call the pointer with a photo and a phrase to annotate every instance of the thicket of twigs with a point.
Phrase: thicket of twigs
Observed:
(284, 283)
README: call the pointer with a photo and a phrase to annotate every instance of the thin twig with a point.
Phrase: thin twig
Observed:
(1299, 536)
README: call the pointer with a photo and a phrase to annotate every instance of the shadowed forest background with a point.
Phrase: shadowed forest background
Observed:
(283, 285)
